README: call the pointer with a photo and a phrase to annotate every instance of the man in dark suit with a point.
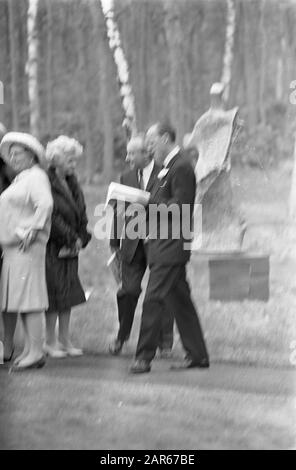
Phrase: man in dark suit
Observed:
(133, 252)
(168, 288)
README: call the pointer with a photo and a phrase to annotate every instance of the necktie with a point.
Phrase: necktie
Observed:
(141, 180)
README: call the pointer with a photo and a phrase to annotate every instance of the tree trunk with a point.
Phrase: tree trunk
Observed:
(248, 9)
(106, 97)
(292, 206)
(1, 95)
(155, 79)
(262, 64)
(83, 96)
(142, 72)
(105, 101)
(32, 67)
(174, 38)
(128, 101)
(3, 63)
(13, 65)
(237, 90)
(280, 66)
(49, 94)
(228, 51)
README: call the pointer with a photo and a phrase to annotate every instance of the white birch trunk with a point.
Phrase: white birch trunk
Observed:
(281, 72)
(83, 98)
(32, 66)
(228, 51)
(262, 63)
(49, 90)
(105, 98)
(13, 62)
(292, 208)
(174, 39)
(128, 101)
(1, 93)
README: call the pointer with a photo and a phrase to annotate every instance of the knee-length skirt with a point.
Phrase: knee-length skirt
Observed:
(23, 280)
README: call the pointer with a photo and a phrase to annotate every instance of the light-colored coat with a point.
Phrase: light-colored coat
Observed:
(26, 204)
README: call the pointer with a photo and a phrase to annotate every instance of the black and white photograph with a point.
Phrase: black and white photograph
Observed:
(147, 227)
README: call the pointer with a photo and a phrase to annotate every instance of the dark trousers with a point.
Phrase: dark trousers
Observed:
(127, 299)
(168, 290)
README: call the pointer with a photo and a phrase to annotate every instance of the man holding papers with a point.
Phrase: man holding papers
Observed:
(133, 252)
(168, 289)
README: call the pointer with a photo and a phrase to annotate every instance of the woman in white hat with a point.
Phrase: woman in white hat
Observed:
(25, 214)
(68, 236)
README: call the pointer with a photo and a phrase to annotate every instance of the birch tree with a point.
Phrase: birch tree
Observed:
(32, 67)
(262, 63)
(174, 38)
(292, 206)
(228, 51)
(82, 69)
(282, 57)
(3, 63)
(13, 64)
(49, 90)
(1, 93)
(249, 9)
(127, 96)
(105, 97)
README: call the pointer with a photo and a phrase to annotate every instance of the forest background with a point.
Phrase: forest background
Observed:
(175, 50)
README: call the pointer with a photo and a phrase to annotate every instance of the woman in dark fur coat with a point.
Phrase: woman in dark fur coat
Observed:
(68, 236)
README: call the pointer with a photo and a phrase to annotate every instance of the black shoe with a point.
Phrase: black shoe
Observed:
(116, 347)
(189, 363)
(35, 365)
(8, 359)
(140, 366)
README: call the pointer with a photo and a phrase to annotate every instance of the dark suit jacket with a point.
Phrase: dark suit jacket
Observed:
(128, 246)
(178, 186)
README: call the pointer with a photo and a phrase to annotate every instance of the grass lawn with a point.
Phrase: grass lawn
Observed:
(92, 403)
(250, 332)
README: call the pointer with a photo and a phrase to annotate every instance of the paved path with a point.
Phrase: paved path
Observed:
(93, 403)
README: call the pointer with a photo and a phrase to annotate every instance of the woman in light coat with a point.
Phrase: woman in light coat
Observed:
(25, 214)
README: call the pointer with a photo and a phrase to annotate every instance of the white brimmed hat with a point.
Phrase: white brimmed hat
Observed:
(21, 138)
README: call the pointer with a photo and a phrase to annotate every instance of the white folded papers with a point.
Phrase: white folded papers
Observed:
(122, 192)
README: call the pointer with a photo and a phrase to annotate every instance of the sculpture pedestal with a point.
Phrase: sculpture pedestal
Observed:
(238, 275)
